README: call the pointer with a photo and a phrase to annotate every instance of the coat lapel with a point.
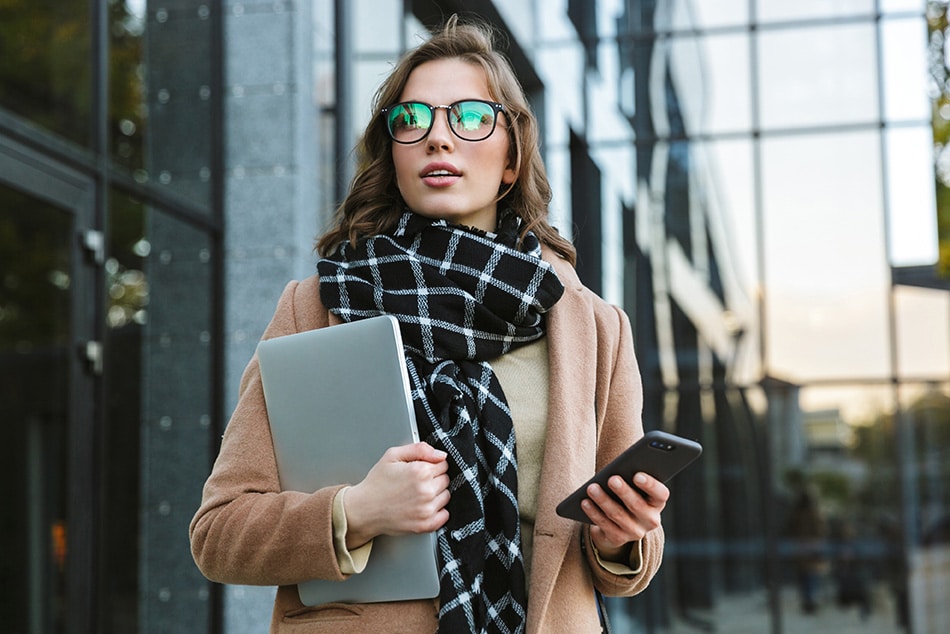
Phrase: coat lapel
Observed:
(570, 445)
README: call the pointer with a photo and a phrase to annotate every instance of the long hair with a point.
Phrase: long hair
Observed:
(374, 203)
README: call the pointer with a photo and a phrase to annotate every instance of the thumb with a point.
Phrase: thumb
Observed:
(419, 451)
(429, 453)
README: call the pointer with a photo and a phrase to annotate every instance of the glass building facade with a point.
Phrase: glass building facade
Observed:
(758, 183)
(110, 311)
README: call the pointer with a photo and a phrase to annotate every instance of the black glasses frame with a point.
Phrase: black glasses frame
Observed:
(495, 106)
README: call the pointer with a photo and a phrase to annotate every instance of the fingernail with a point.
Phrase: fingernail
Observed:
(640, 479)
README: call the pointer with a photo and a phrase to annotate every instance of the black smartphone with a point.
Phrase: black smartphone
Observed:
(658, 453)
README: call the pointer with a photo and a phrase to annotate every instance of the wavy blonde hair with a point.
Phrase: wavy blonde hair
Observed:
(374, 203)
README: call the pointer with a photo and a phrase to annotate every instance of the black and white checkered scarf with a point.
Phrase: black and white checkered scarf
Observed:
(462, 298)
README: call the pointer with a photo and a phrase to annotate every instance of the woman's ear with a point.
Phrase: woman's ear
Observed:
(510, 175)
(511, 172)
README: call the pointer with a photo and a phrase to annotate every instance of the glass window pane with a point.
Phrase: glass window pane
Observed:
(126, 314)
(519, 16)
(826, 275)
(45, 69)
(778, 10)
(818, 76)
(608, 126)
(413, 30)
(564, 101)
(925, 447)
(160, 108)
(704, 15)
(926, 410)
(157, 437)
(610, 102)
(904, 56)
(368, 75)
(837, 503)
(712, 569)
(729, 195)
(712, 82)
(912, 213)
(888, 6)
(379, 26)
(923, 332)
(127, 108)
(35, 360)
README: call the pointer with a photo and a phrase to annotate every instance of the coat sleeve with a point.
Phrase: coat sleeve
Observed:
(621, 424)
(246, 530)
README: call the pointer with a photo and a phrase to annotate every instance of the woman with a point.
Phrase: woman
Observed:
(445, 228)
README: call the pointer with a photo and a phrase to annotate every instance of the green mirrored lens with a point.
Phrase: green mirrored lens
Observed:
(472, 118)
(409, 120)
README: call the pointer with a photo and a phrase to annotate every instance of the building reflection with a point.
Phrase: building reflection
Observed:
(758, 183)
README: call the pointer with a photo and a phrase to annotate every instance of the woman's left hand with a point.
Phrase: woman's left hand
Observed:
(614, 524)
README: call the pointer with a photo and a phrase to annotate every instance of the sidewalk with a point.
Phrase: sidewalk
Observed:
(749, 614)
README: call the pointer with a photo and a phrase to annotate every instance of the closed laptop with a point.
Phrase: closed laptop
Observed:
(337, 398)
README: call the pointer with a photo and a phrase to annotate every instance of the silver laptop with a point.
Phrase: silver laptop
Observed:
(337, 398)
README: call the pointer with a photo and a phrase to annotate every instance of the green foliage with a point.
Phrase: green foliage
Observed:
(938, 25)
(47, 77)
(45, 69)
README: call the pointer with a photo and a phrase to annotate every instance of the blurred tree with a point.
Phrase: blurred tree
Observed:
(937, 24)
(928, 416)
(45, 69)
(128, 75)
(47, 78)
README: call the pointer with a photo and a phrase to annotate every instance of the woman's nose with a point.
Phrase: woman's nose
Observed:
(440, 136)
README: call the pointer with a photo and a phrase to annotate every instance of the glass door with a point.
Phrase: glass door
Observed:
(46, 396)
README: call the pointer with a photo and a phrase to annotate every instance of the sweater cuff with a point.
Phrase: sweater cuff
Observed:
(350, 562)
(634, 563)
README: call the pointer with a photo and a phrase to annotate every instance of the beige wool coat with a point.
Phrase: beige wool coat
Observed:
(247, 531)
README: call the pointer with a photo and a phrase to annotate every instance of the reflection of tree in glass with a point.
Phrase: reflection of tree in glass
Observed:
(127, 86)
(34, 273)
(939, 28)
(127, 288)
(928, 418)
(46, 72)
(128, 295)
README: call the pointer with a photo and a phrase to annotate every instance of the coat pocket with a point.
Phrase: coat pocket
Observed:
(397, 617)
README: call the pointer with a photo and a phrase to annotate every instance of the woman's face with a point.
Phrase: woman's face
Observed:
(443, 176)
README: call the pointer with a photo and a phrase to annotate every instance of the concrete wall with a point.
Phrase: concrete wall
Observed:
(270, 214)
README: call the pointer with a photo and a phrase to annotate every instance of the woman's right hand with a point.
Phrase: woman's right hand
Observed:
(406, 491)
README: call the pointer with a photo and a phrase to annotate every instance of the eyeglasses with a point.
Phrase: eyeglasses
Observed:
(470, 119)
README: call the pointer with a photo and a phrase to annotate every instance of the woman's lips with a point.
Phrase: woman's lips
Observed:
(440, 175)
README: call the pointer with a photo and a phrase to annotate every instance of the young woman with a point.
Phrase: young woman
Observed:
(445, 227)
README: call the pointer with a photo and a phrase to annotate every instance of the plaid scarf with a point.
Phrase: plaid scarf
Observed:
(462, 298)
